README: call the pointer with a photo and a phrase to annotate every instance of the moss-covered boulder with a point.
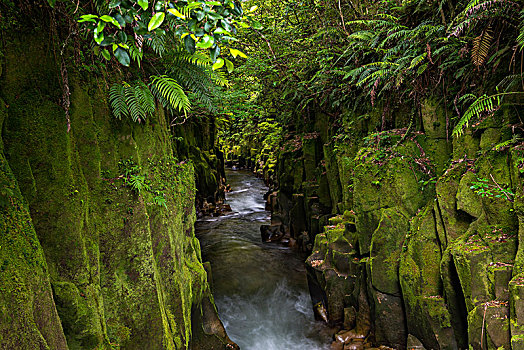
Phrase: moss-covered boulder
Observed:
(451, 222)
(386, 245)
(28, 316)
(427, 314)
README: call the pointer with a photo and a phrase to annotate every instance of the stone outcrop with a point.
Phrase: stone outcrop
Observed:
(416, 236)
(87, 259)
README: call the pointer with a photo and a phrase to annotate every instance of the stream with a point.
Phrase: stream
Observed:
(260, 289)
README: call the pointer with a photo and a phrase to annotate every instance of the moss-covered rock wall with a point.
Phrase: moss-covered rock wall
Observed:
(89, 260)
(425, 226)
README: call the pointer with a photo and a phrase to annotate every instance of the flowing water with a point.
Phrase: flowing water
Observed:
(260, 289)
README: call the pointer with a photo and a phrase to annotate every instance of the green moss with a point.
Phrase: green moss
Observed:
(28, 314)
(125, 271)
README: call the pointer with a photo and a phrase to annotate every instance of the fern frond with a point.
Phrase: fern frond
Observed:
(481, 45)
(415, 61)
(136, 110)
(157, 43)
(145, 98)
(483, 105)
(117, 99)
(169, 93)
(135, 51)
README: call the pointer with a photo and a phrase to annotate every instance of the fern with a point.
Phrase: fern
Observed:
(118, 101)
(416, 61)
(135, 101)
(169, 93)
(145, 98)
(481, 45)
(135, 50)
(483, 105)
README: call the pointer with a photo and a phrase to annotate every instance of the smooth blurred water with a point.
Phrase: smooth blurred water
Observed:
(260, 289)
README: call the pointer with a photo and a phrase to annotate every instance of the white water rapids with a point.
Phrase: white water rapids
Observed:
(260, 289)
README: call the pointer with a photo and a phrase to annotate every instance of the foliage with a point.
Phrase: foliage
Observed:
(485, 188)
(122, 28)
(344, 57)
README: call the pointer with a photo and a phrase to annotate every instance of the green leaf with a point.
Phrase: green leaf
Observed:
(106, 54)
(225, 24)
(51, 3)
(87, 18)
(143, 4)
(120, 20)
(236, 53)
(220, 30)
(257, 25)
(214, 52)
(156, 21)
(114, 3)
(189, 44)
(177, 13)
(206, 42)
(99, 32)
(218, 64)
(111, 20)
(122, 57)
(229, 65)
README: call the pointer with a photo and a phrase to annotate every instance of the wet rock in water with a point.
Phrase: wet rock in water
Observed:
(413, 343)
(354, 346)
(336, 345)
(320, 311)
(348, 336)
(270, 233)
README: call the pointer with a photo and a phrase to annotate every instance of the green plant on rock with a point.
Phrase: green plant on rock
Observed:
(159, 198)
(484, 188)
(132, 177)
(429, 182)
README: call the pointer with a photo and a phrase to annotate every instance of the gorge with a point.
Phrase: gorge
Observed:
(199, 174)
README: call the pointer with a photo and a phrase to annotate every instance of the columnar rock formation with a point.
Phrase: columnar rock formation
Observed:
(412, 235)
(89, 259)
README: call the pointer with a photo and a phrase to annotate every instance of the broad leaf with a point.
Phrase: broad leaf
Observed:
(189, 44)
(88, 18)
(218, 64)
(156, 21)
(177, 13)
(236, 53)
(229, 65)
(220, 30)
(114, 3)
(99, 32)
(111, 20)
(206, 42)
(143, 4)
(214, 52)
(122, 57)
(106, 54)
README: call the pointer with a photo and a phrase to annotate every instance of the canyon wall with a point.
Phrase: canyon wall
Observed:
(413, 235)
(97, 244)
